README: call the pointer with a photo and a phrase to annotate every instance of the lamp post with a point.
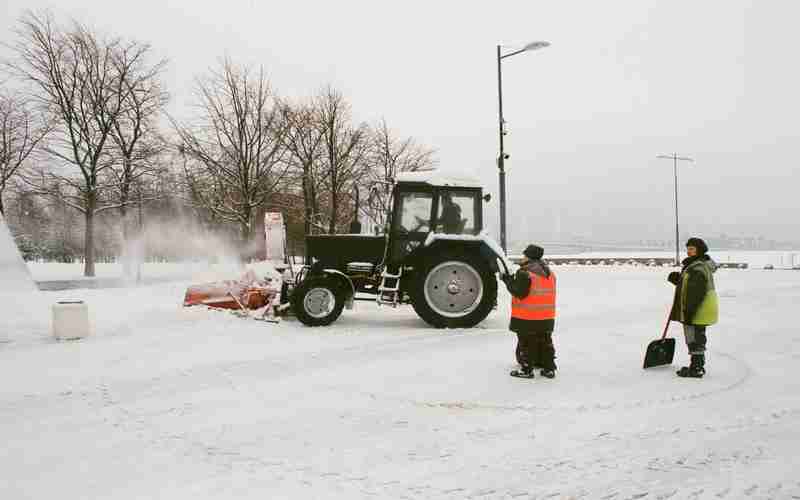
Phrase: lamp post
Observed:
(501, 159)
(674, 157)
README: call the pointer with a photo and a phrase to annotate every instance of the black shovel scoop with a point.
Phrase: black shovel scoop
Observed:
(660, 352)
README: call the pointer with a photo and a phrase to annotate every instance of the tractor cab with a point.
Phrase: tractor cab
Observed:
(426, 202)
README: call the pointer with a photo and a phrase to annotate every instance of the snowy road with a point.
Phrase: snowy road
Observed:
(166, 402)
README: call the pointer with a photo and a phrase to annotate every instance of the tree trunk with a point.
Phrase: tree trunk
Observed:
(2, 209)
(127, 261)
(124, 196)
(245, 226)
(314, 204)
(307, 206)
(88, 264)
(334, 213)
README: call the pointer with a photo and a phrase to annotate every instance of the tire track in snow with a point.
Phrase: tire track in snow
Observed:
(744, 375)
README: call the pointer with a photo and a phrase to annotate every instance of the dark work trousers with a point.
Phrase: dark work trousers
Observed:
(536, 349)
(695, 338)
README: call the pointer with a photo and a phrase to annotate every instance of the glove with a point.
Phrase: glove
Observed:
(673, 277)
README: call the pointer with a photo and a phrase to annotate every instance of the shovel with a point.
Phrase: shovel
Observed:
(660, 352)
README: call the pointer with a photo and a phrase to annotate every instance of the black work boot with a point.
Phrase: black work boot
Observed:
(548, 372)
(696, 368)
(525, 371)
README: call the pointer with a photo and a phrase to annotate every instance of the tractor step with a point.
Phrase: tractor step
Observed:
(389, 289)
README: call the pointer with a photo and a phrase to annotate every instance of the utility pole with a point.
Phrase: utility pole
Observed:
(501, 159)
(674, 157)
(501, 163)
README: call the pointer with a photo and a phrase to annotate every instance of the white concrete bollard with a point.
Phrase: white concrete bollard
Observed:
(70, 320)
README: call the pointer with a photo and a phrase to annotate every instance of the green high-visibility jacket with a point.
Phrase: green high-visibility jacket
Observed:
(696, 301)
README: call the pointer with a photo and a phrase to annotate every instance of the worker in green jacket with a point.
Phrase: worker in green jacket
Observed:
(695, 304)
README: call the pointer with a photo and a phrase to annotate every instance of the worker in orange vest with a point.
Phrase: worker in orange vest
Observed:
(533, 314)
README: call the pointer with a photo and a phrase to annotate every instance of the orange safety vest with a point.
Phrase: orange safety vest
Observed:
(540, 303)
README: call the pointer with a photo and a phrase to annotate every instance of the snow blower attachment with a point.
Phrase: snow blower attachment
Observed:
(248, 293)
(660, 352)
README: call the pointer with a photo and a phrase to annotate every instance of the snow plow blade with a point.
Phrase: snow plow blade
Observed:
(659, 352)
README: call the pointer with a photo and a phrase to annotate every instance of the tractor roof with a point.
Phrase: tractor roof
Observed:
(439, 178)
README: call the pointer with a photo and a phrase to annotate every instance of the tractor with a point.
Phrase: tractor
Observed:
(433, 254)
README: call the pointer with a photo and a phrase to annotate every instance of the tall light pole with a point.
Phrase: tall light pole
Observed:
(501, 159)
(674, 157)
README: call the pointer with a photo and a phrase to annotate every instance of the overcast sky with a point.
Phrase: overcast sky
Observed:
(623, 81)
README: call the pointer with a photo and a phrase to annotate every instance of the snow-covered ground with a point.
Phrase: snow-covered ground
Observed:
(170, 402)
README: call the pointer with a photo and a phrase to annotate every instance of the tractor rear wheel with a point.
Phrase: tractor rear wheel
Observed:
(317, 301)
(454, 290)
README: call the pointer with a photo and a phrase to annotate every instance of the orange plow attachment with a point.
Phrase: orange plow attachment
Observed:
(246, 293)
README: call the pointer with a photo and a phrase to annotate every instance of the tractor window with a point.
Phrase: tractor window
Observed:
(415, 210)
(456, 213)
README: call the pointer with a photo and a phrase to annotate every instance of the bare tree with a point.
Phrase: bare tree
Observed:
(78, 80)
(345, 149)
(236, 147)
(304, 141)
(390, 155)
(21, 132)
(135, 130)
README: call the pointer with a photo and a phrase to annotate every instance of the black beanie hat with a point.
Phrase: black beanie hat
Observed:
(699, 244)
(533, 252)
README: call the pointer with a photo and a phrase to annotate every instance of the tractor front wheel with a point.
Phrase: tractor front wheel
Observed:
(317, 301)
(454, 290)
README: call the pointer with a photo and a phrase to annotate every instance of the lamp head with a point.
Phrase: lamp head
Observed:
(539, 44)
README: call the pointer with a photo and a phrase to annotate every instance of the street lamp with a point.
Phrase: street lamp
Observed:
(674, 157)
(501, 159)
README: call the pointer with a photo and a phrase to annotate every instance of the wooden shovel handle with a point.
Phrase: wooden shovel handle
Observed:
(669, 315)
(666, 327)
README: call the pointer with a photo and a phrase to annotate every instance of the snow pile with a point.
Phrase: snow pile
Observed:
(14, 274)
(21, 307)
